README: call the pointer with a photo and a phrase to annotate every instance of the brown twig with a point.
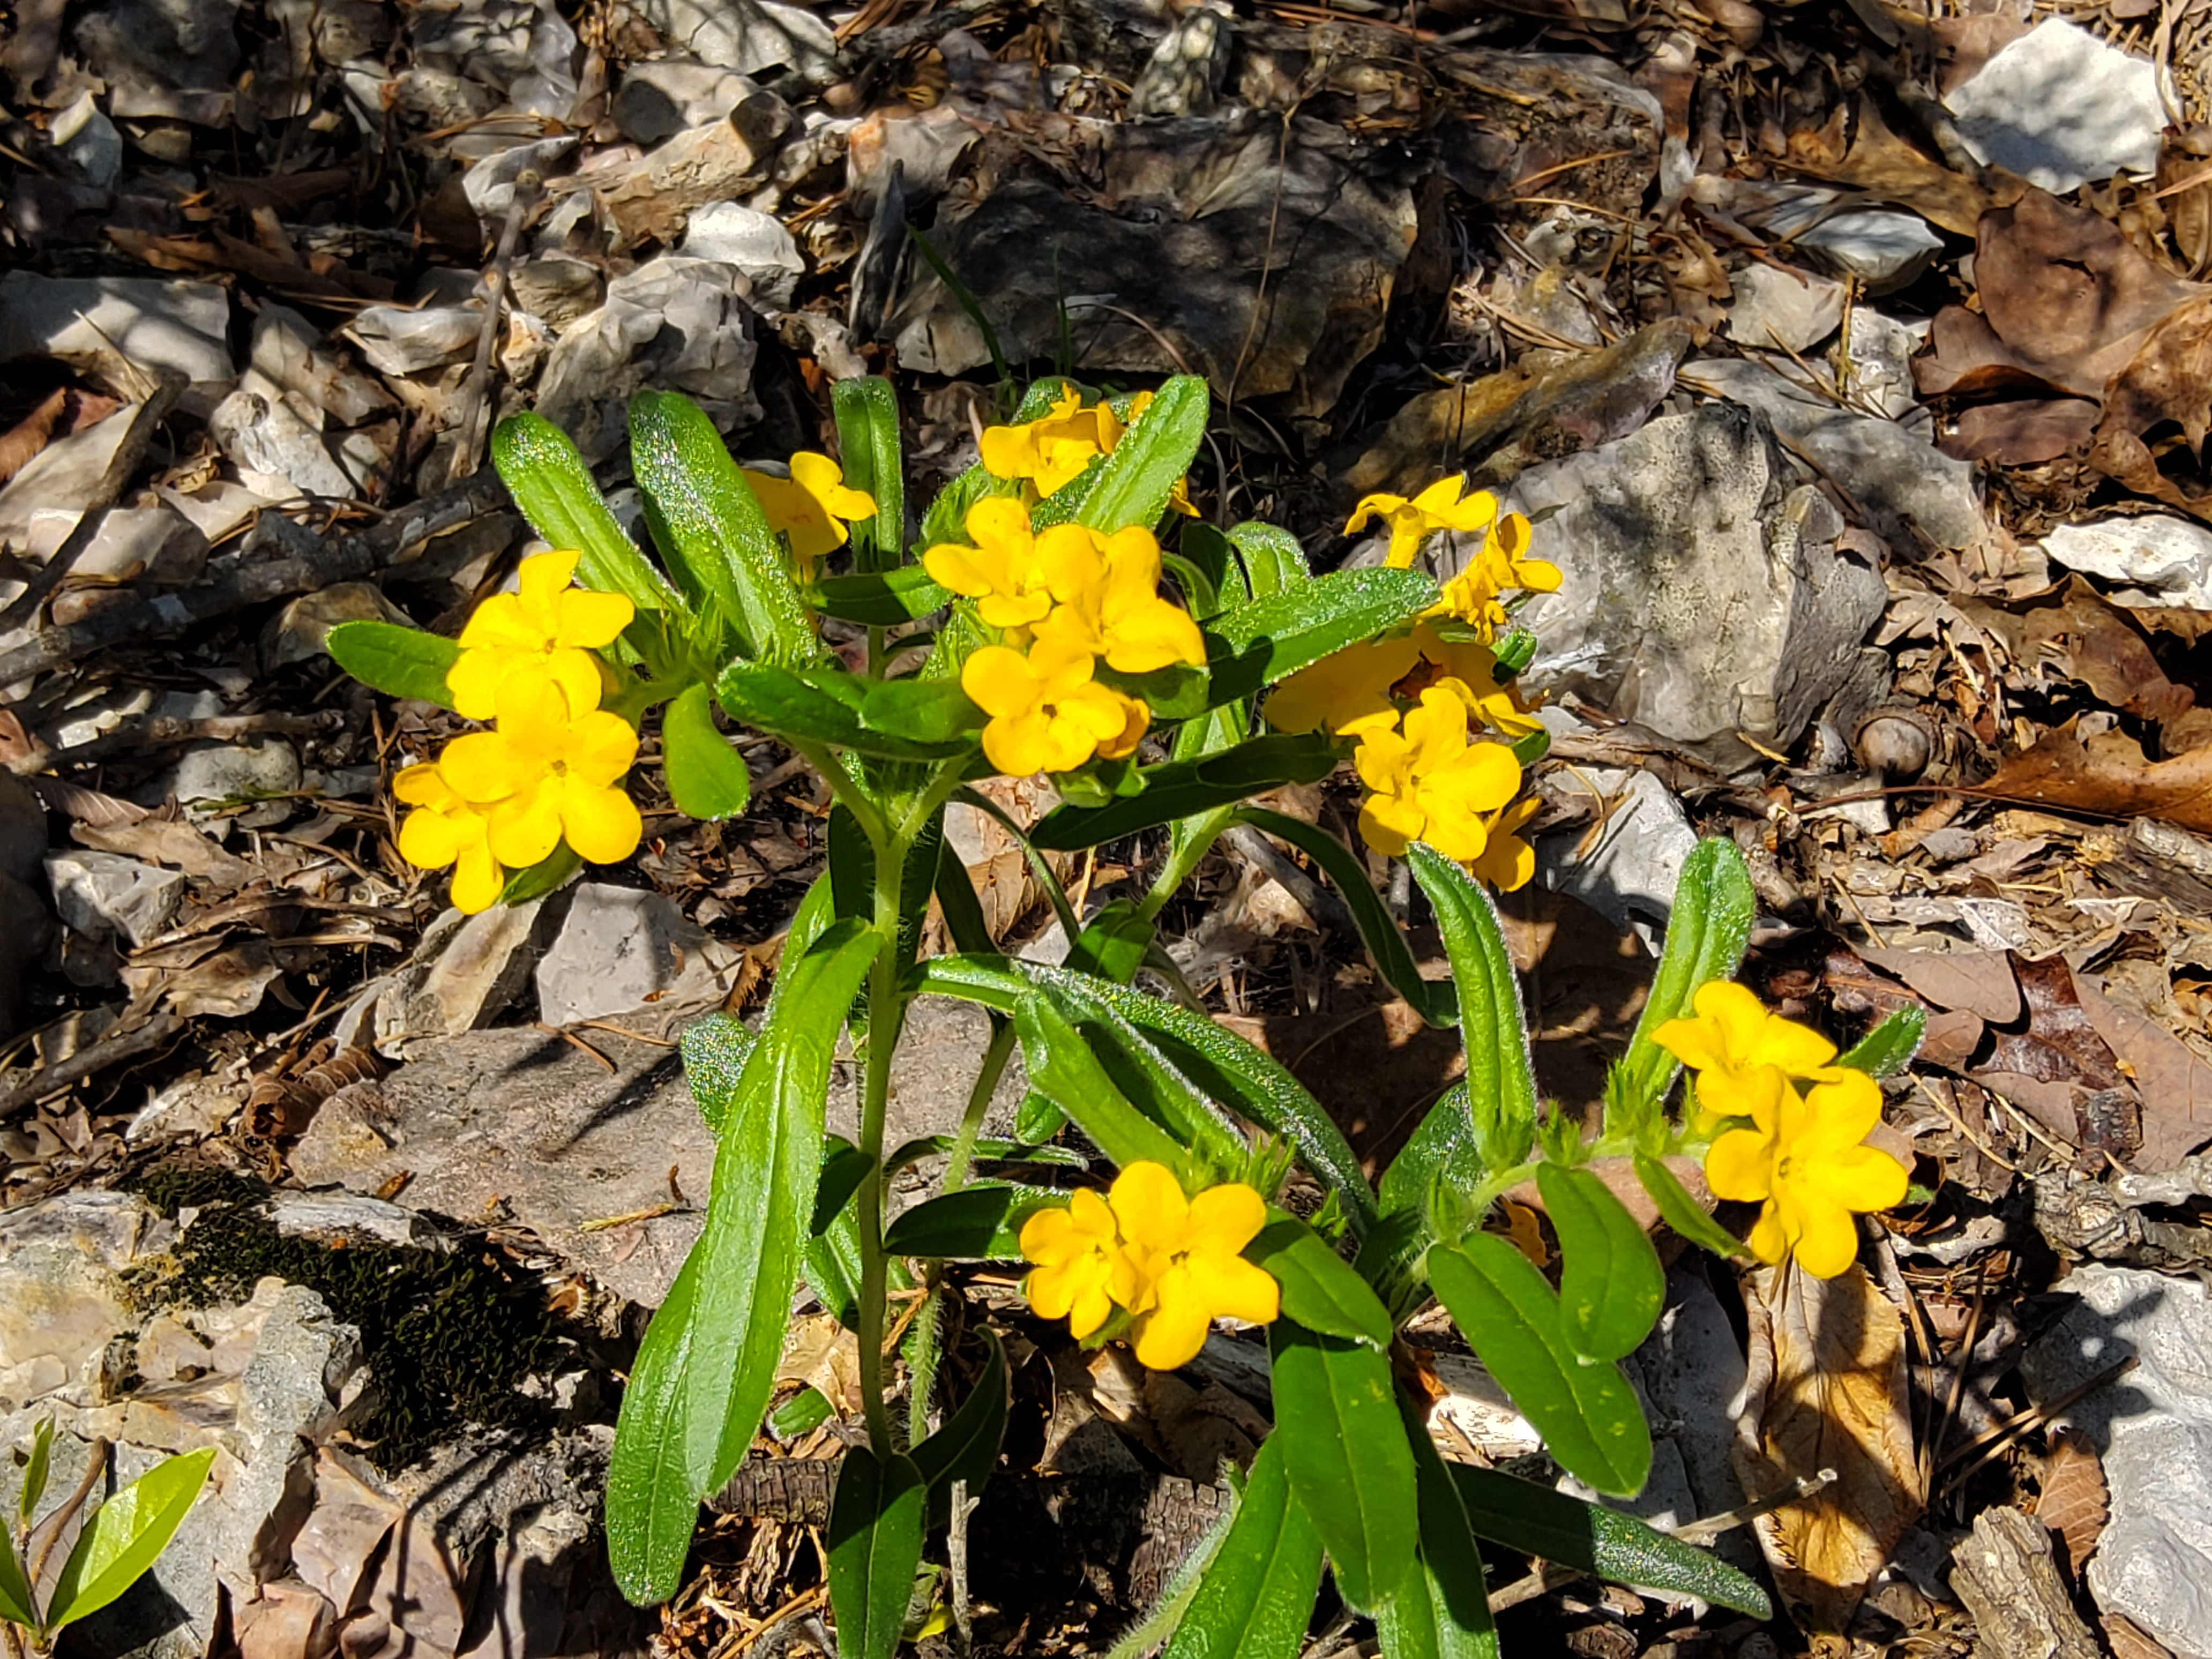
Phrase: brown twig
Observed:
(476, 390)
(109, 1051)
(48, 1532)
(149, 733)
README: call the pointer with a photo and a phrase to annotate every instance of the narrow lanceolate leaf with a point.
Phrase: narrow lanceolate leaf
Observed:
(1258, 1593)
(1273, 562)
(1151, 458)
(981, 1222)
(1270, 638)
(708, 521)
(35, 1470)
(1320, 1290)
(126, 1536)
(400, 662)
(15, 1600)
(818, 706)
(708, 1364)
(1441, 1611)
(1180, 789)
(1714, 908)
(967, 1447)
(1587, 1414)
(705, 775)
(1064, 1068)
(1501, 1079)
(1611, 1283)
(1442, 1146)
(866, 410)
(1887, 1049)
(1682, 1212)
(880, 600)
(551, 483)
(1343, 1446)
(876, 1523)
(1539, 1521)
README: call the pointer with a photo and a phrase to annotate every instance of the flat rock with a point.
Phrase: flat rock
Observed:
(2153, 1429)
(1794, 309)
(209, 777)
(61, 1297)
(1629, 876)
(112, 899)
(1705, 597)
(1910, 493)
(621, 951)
(279, 453)
(131, 542)
(2163, 561)
(464, 974)
(755, 242)
(749, 36)
(91, 321)
(2060, 107)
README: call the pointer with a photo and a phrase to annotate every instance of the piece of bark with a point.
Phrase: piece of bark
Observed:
(2006, 1578)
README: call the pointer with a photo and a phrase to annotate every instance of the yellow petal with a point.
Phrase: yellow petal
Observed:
(500, 622)
(533, 718)
(477, 878)
(1863, 1178)
(525, 830)
(1842, 1113)
(1381, 759)
(601, 748)
(1370, 506)
(577, 675)
(1019, 745)
(1009, 451)
(429, 839)
(1171, 1335)
(1229, 1287)
(422, 785)
(593, 620)
(1226, 1217)
(999, 682)
(1769, 1240)
(1148, 1202)
(1738, 1166)
(1440, 497)
(483, 767)
(602, 824)
(1388, 822)
(1827, 1240)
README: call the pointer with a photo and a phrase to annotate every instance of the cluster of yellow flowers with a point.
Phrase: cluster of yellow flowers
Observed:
(1801, 1156)
(1173, 1265)
(551, 767)
(1502, 566)
(1053, 449)
(1063, 600)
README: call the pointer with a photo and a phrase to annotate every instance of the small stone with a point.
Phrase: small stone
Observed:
(280, 454)
(94, 322)
(289, 360)
(343, 1220)
(621, 951)
(2166, 561)
(398, 341)
(755, 242)
(2060, 107)
(57, 482)
(114, 900)
(158, 543)
(1885, 249)
(467, 971)
(208, 778)
(556, 287)
(1629, 878)
(62, 1297)
(749, 36)
(1791, 309)
(1183, 78)
(90, 141)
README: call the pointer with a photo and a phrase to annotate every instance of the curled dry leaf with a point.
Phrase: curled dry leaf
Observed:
(2158, 410)
(2109, 776)
(1826, 1389)
(2076, 1502)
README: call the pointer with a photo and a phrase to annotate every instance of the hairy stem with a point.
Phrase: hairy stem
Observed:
(885, 1009)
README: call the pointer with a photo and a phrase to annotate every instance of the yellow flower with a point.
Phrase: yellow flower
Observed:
(1047, 715)
(547, 774)
(1181, 1265)
(1107, 600)
(1475, 596)
(1742, 1052)
(1001, 572)
(547, 628)
(811, 507)
(1507, 861)
(444, 829)
(1412, 522)
(1076, 1250)
(1803, 1160)
(1430, 783)
(1053, 449)
(1347, 691)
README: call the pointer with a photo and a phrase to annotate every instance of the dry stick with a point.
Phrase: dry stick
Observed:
(1994, 1441)
(109, 1051)
(346, 560)
(48, 1532)
(147, 733)
(1953, 1395)
(476, 390)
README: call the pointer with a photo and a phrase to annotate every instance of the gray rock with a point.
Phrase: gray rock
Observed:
(1794, 309)
(1183, 76)
(278, 453)
(208, 777)
(1705, 595)
(132, 542)
(755, 242)
(2164, 561)
(1885, 249)
(681, 325)
(61, 1297)
(289, 360)
(749, 36)
(398, 341)
(490, 183)
(1629, 876)
(660, 99)
(90, 141)
(1912, 495)
(112, 899)
(464, 974)
(90, 321)
(621, 951)
(42, 503)
(342, 1220)
(2061, 107)
(2153, 1428)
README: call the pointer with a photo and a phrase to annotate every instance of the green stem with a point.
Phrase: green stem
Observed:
(995, 1056)
(885, 1009)
(1183, 858)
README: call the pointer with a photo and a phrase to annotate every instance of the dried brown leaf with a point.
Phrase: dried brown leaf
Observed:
(30, 434)
(2057, 1044)
(2076, 1502)
(2166, 386)
(1827, 1390)
(1881, 161)
(1979, 982)
(2109, 777)
(2129, 1640)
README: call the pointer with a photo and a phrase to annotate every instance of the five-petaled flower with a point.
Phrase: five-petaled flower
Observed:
(811, 507)
(1053, 449)
(1429, 783)
(1742, 1053)
(1414, 520)
(1803, 1162)
(545, 774)
(446, 829)
(1174, 1265)
(1047, 713)
(1001, 572)
(546, 629)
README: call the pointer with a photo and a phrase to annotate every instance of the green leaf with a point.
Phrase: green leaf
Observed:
(1063, 1068)
(548, 875)
(400, 662)
(1684, 1214)
(126, 1536)
(708, 521)
(804, 1413)
(1591, 1538)
(844, 1167)
(1611, 1283)
(1177, 692)
(705, 775)
(981, 1222)
(1344, 1445)
(1257, 1594)
(1443, 1146)
(36, 1467)
(1320, 1290)
(1889, 1048)
(16, 1601)
(1114, 942)
(551, 483)
(1436, 1000)
(876, 1523)
(1268, 639)
(928, 712)
(1181, 789)
(1587, 1414)
(966, 1447)
(1501, 1078)
(707, 1365)
(866, 411)
(1273, 562)
(1441, 1611)
(1151, 458)
(818, 705)
(1714, 908)
(880, 600)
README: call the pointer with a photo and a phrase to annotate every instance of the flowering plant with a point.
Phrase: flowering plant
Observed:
(1037, 623)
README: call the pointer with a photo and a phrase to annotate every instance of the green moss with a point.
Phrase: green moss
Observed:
(448, 1336)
